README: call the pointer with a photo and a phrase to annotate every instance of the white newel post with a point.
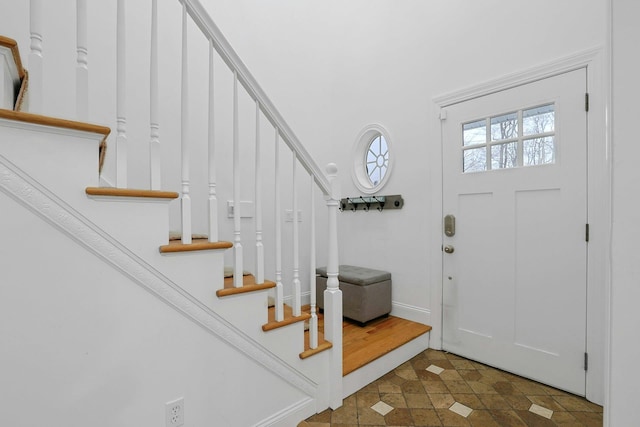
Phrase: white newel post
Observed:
(258, 186)
(313, 322)
(296, 303)
(333, 294)
(35, 56)
(154, 124)
(184, 135)
(82, 62)
(278, 227)
(121, 91)
(213, 198)
(237, 236)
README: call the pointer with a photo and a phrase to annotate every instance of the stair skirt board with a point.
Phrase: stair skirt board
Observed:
(30, 194)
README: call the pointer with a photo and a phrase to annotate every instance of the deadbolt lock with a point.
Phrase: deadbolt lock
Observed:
(448, 249)
(449, 225)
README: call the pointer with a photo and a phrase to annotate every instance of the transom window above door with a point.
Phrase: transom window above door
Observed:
(520, 138)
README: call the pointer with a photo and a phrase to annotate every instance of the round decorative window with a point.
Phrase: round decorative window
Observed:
(371, 159)
(377, 159)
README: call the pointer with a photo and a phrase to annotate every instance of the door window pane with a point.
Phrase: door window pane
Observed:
(504, 127)
(538, 151)
(538, 120)
(504, 156)
(475, 160)
(474, 133)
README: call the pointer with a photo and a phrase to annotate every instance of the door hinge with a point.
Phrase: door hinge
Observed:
(586, 361)
(586, 101)
(586, 232)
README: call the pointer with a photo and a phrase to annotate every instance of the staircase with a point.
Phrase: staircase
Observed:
(89, 214)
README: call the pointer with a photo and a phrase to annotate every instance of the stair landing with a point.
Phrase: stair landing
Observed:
(362, 345)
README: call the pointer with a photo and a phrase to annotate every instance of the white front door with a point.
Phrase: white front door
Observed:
(515, 174)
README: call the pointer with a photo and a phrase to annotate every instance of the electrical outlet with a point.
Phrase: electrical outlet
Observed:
(174, 413)
(288, 215)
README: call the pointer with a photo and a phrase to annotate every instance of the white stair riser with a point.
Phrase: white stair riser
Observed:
(374, 370)
(63, 161)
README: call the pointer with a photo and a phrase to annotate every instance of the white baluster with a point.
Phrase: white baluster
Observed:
(213, 200)
(333, 294)
(297, 311)
(258, 186)
(35, 56)
(82, 64)
(186, 199)
(278, 224)
(154, 141)
(121, 91)
(313, 322)
(237, 239)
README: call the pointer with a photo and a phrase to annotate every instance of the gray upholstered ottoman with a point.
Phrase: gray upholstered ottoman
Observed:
(366, 293)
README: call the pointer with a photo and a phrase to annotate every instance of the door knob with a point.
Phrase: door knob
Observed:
(448, 249)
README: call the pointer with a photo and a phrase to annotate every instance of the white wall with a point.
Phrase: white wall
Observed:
(625, 292)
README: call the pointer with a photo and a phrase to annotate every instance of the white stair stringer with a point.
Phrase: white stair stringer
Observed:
(37, 199)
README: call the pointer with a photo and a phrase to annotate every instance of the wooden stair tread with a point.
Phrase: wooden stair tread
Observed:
(130, 192)
(322, 346)
(196, 245)
(21, 116)
(364, 344)
(249, 285)
(289, 318)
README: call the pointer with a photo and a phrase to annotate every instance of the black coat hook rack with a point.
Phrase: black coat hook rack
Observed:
(365, 203)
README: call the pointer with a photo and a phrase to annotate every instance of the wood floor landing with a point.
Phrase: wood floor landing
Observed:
(364, 344)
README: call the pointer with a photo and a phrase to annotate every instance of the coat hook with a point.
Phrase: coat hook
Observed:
(366, 203)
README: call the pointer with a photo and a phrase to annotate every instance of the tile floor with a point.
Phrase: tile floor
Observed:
(441, 389)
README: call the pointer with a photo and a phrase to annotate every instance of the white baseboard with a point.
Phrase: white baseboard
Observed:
(291, 415)
(410, 312)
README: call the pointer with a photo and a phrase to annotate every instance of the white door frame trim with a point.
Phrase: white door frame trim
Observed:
(599, 195)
